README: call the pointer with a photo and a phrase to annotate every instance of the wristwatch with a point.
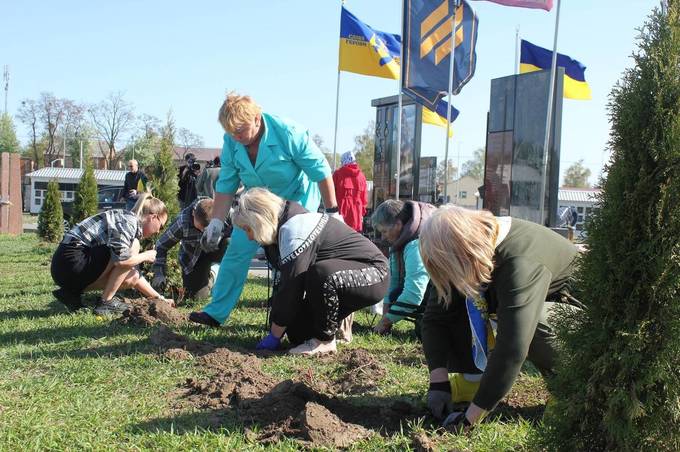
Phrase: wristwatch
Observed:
(332, 210)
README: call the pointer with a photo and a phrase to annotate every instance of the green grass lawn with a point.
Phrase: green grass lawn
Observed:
(78, 382)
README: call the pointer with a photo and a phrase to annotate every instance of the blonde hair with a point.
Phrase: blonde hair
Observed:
(148, 205)
(259, 210)
(457, 246)
(236, 111)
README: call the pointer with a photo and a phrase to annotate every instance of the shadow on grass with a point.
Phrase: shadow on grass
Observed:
(215, 421)
(31, 313)
(400, 335)
(507, 413)
(242, 338)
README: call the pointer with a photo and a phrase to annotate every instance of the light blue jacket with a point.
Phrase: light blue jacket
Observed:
(289, 164)
(288, 161)
(415, 280)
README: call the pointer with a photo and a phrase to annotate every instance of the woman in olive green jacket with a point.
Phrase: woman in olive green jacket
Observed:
(487, 267)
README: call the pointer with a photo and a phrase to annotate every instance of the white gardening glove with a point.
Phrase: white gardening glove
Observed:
(212, 234)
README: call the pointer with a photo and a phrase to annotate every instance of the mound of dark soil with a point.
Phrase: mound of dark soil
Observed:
(309, 413)
(147, 312)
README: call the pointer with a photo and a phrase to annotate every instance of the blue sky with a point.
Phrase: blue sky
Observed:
(184, 56)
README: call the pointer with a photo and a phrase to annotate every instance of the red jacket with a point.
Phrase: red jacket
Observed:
(350, 191)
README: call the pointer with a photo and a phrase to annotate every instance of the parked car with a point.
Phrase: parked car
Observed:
(107, 198)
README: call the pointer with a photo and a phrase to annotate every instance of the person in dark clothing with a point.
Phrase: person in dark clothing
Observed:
(497, 274)
(205, 185)
(187, 229)
(134, 185)
(326, 269)
(188, 175)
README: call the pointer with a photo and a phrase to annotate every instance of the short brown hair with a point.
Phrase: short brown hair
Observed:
(203, 211)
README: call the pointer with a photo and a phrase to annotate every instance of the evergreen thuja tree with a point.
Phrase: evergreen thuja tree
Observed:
(617, 385)
(85, 204)
(51, 218)
(164, 179)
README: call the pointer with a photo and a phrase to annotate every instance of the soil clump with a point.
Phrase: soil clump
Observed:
(148, 312)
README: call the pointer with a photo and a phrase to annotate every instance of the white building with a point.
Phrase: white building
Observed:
(584, 199)
(68, 179)
(464, 192)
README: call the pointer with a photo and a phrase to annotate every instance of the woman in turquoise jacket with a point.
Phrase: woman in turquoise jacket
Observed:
(399, 224)
(260, 150)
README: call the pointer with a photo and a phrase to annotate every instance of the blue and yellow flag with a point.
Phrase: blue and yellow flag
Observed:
(535, 58)
(366, 51)
(438, 116)
(428, 45)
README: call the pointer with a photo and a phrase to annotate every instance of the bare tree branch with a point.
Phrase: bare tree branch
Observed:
(188, 140)
(111, 118)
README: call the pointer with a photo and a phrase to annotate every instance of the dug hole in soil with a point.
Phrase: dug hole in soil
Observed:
(306, 409)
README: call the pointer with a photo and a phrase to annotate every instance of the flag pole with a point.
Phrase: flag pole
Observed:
(399, 105)
(548, 120)
(517, 50)
(337, 106)
(337, 101)
(448, 108)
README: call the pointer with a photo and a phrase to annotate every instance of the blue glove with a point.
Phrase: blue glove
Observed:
(270, 342)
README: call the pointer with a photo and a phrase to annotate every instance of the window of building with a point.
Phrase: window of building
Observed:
(579, 209)
(462, 194)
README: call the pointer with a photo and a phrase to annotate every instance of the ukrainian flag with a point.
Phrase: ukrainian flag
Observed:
(366, 51)
(535, 58)
(438, 117)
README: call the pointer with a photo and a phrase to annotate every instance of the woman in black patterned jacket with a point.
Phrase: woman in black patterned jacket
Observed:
(327, 270)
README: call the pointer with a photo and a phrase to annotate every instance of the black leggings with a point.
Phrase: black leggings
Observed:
(334, 289)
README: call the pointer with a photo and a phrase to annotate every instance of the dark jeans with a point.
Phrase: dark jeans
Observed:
(334, 289)
(197, 283)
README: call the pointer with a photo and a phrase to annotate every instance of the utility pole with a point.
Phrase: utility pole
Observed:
(6, 79)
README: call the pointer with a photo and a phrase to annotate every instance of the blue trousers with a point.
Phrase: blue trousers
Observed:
(236, 262)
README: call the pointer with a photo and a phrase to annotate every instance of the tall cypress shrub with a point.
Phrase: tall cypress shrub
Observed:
(165, 183)
(618, 381)
(85, 204)
(51, 218)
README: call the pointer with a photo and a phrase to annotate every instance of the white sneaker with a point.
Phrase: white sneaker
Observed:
(344, 333)
(376, 309)
(314, 346)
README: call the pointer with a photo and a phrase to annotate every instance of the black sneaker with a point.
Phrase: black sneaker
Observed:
(114, 306)
(69, 299)
(203, 319)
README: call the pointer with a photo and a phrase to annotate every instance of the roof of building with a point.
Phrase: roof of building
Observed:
(75, 174)
(202, 154)
(569, 194)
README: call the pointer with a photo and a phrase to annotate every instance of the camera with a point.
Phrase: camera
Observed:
(193, 165)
